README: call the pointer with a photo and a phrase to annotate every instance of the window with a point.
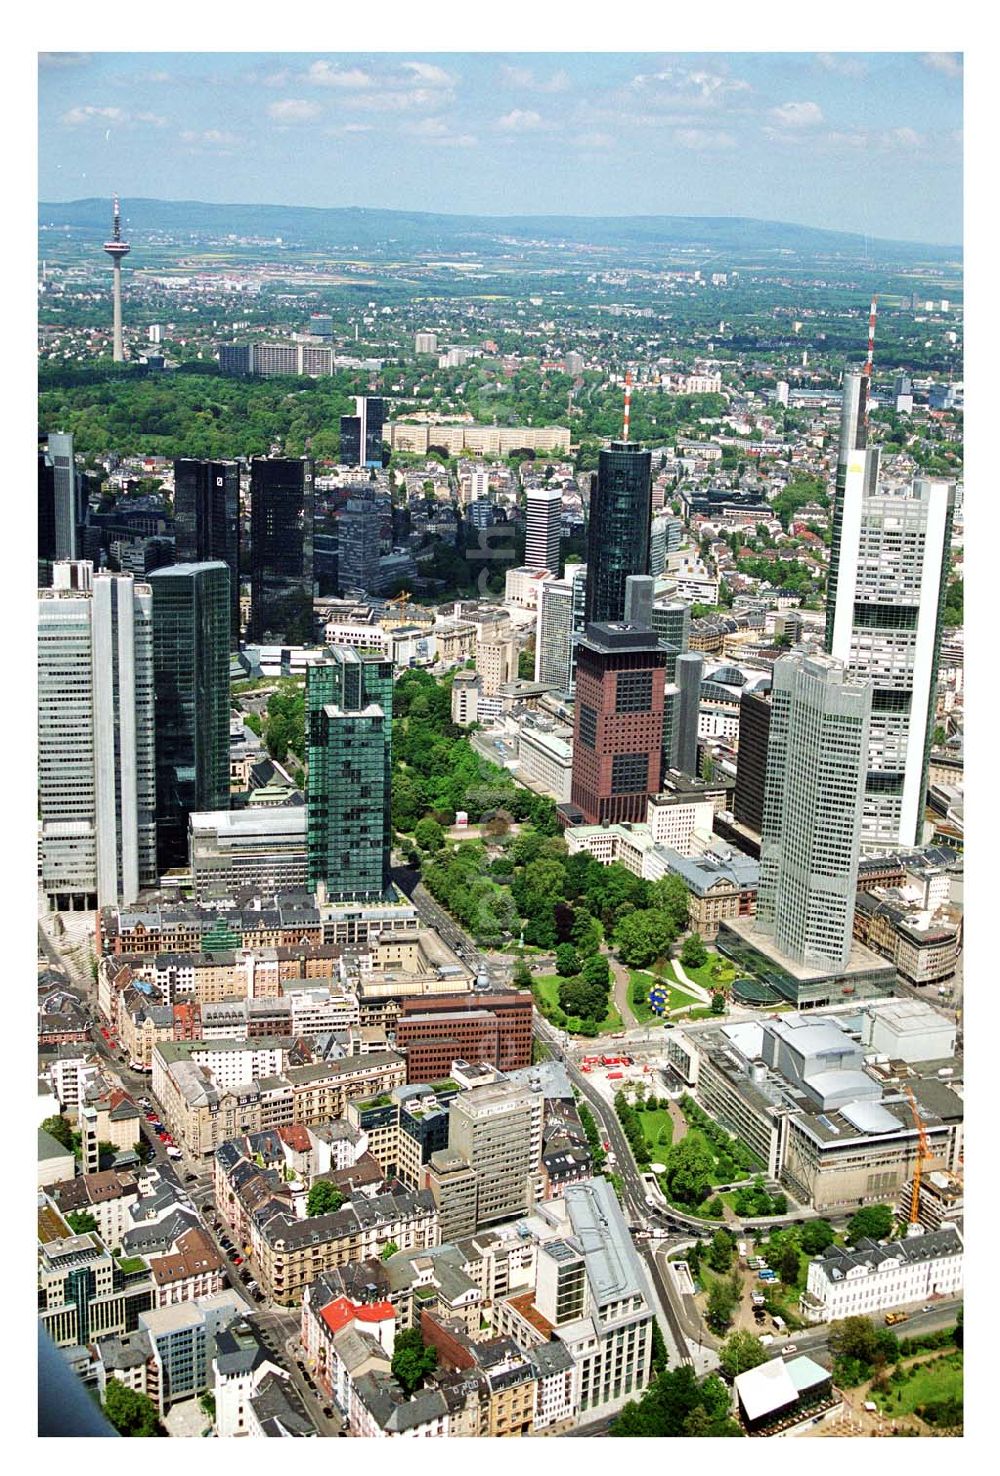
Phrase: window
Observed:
(588, 726)
(634, 691)
(629, 773)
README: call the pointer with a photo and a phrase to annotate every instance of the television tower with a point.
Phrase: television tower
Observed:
(116, 249)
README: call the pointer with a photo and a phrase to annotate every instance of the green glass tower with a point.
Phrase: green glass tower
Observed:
(191, 631)
(349, 752)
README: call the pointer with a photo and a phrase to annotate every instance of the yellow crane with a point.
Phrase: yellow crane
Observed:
(923, 1152)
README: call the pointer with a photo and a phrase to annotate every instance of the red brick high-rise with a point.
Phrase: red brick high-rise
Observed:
(618, 732)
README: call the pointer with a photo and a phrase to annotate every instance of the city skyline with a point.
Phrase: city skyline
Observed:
(817, 138)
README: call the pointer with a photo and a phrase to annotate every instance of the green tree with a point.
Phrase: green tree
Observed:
(389, 1250)
(694, 954)
(689, 1170)
(720, 1251)
(567, 962)
(874, 1222)
(324, 1198)
(718, 1003)
(81, 1221)
(59, 1128)
(412, 1359)
(723, 1299)
(643, 936)
(130, 1412)
(741, 1351)
(790, 1264)
(815, 1236)
(596, 972)
(858, 1339)
(428, 834)
(670, 895)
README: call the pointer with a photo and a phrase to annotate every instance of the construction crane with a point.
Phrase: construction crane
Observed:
(923, 1152)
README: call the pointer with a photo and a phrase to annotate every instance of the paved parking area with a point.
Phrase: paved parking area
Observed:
(186, 1420)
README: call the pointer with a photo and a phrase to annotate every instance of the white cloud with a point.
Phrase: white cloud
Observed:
(293, 110)
(157, 119)
(528, 81)
(842, 64)
(429, 75)
(948, 62)
(90, 114)
(437, 131)
(703, 138)
(213, 138)
(594, 141)
(901, 138)
(276, 79)
(797, 115)
(63, 58)
(676, 88)
(323, 74)
(382, 101)
(520, 120)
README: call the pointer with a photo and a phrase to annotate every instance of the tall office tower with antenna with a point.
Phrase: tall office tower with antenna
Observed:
(116, 249)
(619, 523)
(884, 615)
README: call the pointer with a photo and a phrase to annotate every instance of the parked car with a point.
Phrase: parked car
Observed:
(190, 1178)
(790, 1348)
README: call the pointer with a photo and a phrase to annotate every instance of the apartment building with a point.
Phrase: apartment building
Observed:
(868, 1278)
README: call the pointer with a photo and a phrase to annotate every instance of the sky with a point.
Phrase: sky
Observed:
(869, 143)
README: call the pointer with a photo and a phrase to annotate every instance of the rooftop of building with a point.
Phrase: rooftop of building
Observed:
(776, 1384)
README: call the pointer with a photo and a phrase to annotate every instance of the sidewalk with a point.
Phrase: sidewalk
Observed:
(695, 989)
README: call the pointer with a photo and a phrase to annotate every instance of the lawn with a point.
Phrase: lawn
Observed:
(706, 978)
(643, 1011)
(926, 1383)
(653, 1124)
(547, 986)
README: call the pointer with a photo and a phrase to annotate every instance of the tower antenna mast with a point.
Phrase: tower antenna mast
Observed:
(628, 401)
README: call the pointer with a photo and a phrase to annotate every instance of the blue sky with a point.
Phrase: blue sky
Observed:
(858, 142)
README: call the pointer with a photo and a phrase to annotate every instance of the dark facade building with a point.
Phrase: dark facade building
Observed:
(618, 529)
(235, 359)
(359, 535)
(751, 765)
(348, 795)
(62, 502)
(439, 1029)
(207, 521)
(618, 730)
(281, 551)
(191, 623)
(361, 433)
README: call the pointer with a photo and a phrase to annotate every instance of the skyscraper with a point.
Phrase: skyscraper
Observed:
(361, 433)
(885, 606)
(61, 501)
(618, 731)
(751, 764)
(191, 625)
(816, 760)
(349, 790)
(207, 521)
(541, 547)
(497, 1130)
(281, 551)
(359, 536)
(687, 676)
(96, 764)
(618, 529)
(560, 622)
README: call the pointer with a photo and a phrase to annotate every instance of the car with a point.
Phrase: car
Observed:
(190, 1178)
(237, 1260)
(328, 1412)
(790, 1348)
(928, 1308)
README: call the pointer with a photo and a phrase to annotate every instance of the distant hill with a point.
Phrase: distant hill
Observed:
(346, 229)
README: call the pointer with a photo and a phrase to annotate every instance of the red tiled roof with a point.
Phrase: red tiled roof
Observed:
(338, 1314)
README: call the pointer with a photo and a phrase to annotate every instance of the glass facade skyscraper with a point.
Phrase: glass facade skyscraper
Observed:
(361, 433)
(349, 755)
(281, 551)
(191, 623)
(817, 754)
(207, 521)
(618, 529)
(885, 607)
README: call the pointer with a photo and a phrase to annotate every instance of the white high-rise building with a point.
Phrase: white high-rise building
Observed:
(96, 736)
(817, 753)
(888, 566)
(560, 621)
(541, 547)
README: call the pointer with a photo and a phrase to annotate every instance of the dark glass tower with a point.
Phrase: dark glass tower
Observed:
(191, 624)
(361, 433)
(281, 551)
(618, 531)
(207, 522)
(751, 764)
(349, 754)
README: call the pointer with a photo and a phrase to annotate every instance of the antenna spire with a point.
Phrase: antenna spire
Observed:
(628, 401)
(117, 234)
(871, 337)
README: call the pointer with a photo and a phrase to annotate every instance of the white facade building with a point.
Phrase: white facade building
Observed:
(871, 1278)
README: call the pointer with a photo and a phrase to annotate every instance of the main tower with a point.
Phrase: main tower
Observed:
(116, 249)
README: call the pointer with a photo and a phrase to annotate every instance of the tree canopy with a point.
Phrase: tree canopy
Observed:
(324, 1198)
